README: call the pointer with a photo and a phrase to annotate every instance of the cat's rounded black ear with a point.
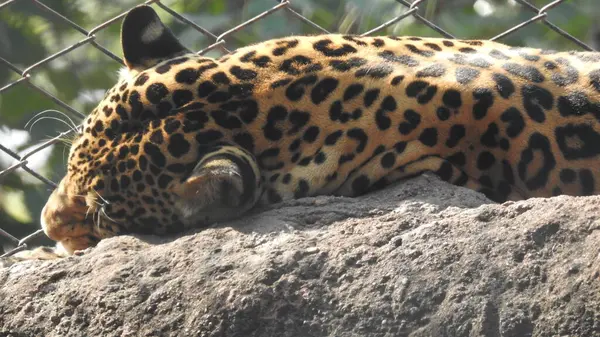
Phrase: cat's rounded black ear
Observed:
(146, 41)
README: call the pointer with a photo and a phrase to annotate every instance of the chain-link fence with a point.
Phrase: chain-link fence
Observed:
(413, 10)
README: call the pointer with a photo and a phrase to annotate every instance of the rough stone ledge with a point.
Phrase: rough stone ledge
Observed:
(421, 258)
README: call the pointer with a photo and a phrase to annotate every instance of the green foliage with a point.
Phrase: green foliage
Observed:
(28, 34)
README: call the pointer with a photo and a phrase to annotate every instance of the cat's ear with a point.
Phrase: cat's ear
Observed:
(146, 41)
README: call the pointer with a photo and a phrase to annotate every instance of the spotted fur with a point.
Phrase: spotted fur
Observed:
(187, 140)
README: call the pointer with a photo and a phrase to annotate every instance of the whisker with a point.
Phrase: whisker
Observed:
(88, 212)
(34, 116)
(101, 212)
(64, 141)
(74, 129)
(75, 126)
(71, 126)
(96, 219)
(101, 198)
(106, 215)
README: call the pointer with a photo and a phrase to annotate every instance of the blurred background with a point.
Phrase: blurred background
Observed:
(30, 33)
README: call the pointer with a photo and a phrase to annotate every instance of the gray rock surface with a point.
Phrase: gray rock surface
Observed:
(421, 258)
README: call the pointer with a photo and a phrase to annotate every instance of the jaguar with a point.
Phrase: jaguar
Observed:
(184, 140)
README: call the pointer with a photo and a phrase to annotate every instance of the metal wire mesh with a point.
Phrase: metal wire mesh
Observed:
(88, 37)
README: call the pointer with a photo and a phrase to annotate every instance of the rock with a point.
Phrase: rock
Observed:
(421, 258)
